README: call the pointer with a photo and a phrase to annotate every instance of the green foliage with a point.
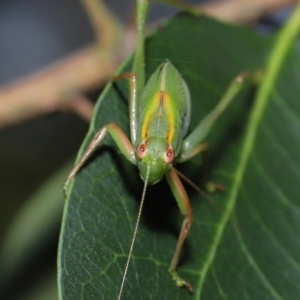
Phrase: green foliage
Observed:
(254, 254)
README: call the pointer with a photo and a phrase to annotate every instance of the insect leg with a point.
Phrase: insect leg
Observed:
(192, 143)
(185, 208)
(138, 67)
(132, 102)
(119, 137)
(184, 156)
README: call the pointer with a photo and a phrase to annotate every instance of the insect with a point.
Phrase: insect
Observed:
(159, 114)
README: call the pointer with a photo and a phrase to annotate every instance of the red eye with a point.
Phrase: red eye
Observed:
(141, 150)
(169, 155)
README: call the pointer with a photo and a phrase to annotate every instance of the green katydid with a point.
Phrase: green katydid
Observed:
(159, 115)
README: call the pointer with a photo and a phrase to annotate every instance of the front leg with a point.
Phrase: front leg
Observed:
(118, 136)
(185, 208)
(132, 102)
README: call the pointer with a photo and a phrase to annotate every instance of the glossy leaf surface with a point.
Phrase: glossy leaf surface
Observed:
(255, 255)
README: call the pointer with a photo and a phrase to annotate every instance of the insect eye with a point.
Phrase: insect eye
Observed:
(141, 150)
(169, 155)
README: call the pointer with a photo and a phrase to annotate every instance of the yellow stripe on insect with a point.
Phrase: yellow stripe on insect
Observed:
(161, 104)
(170, 115)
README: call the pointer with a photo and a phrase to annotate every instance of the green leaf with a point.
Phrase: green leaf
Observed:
(255, 255)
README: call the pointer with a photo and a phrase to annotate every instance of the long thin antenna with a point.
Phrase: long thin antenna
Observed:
(134, 232)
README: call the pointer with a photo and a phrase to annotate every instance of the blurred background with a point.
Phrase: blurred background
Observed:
(34, 34)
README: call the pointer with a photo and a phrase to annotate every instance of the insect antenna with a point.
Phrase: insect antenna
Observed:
(134, 232)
